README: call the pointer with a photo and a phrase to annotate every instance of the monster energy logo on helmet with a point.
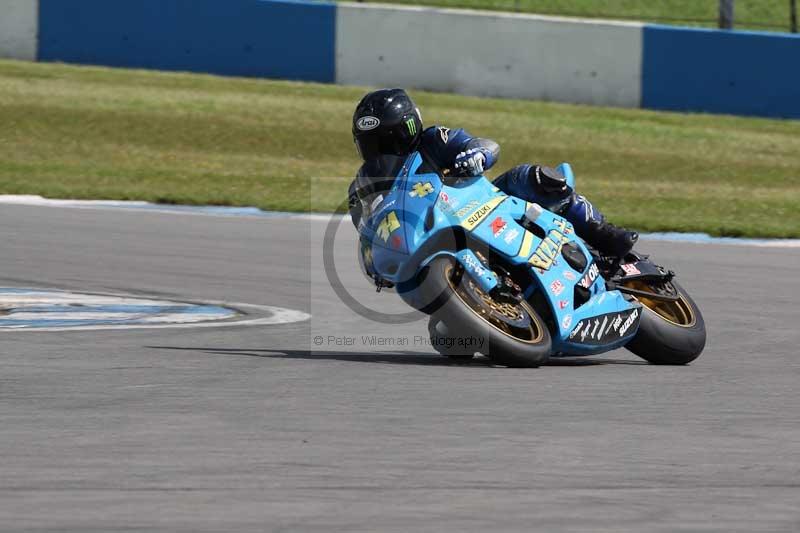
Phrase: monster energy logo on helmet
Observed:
(412, 126)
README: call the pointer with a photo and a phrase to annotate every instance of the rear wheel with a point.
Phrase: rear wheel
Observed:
(671, 332)
(510, 333)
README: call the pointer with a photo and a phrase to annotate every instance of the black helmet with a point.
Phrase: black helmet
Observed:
(386, 122)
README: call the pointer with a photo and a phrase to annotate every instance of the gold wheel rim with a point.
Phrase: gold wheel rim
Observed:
(678, 313)
(508, 310)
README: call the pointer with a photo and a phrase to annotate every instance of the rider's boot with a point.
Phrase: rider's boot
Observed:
(592, 226)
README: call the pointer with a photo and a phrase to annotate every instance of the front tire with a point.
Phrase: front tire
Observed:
(443, 343)
(671, 333)
(510, 334)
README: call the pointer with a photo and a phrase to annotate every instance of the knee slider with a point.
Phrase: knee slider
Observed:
(549, 181)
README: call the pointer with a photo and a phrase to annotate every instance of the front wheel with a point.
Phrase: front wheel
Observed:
(508, 333)
(670, 332)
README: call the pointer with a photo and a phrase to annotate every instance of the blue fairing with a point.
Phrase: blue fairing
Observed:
(421, 218)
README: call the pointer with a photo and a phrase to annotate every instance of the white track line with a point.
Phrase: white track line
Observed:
(191, 210)
(277, 315)
(702, 238)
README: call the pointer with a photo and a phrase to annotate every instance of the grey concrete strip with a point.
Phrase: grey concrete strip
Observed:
(258, 429)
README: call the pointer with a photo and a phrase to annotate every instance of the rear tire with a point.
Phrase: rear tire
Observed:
(670, 341)
(475, 321)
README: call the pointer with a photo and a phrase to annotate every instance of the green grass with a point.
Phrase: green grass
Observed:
(84, 132)
(749, 14)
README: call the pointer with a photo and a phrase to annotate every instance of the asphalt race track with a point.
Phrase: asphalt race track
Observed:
(262, 428)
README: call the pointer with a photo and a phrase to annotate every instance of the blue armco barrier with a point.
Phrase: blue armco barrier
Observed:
(663, 67)
(274, 39)
(741, 73)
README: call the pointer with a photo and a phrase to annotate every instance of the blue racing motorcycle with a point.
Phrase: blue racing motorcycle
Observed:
(510, 280)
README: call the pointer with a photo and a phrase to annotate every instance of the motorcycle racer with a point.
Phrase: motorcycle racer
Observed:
(387, 126)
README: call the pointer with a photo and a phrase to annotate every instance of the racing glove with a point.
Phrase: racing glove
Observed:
(470, 162)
